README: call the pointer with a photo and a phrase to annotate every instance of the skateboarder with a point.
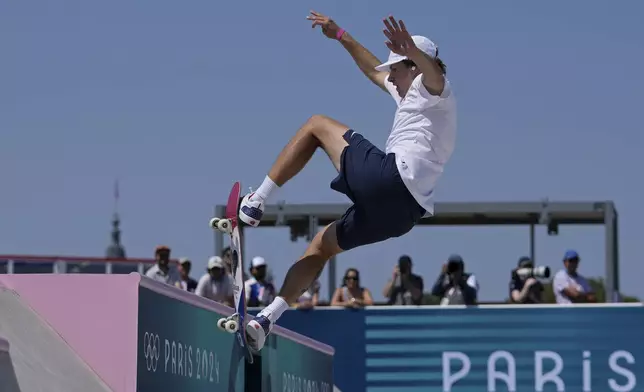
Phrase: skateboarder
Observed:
(392, 190)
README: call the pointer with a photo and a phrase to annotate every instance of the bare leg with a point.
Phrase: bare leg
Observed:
(304, 272)
(318, 131)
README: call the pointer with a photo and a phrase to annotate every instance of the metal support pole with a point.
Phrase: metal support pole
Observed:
(532, 244)
(616, 286)
(332, 277)
(611, 284)
(313, 228)
(281, 219)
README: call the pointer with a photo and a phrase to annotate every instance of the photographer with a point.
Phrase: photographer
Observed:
(404, 287)
(524, 288)
(454, 286)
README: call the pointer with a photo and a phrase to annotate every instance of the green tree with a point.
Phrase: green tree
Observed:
(429, 299)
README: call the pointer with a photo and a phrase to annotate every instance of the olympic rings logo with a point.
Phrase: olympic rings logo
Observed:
(151, 350)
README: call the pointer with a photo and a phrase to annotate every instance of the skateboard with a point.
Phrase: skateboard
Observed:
(235, 323)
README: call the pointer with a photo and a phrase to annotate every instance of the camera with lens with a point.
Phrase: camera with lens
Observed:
(525, 285)
(540, 272)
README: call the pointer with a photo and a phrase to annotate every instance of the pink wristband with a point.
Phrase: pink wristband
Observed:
(339, 35)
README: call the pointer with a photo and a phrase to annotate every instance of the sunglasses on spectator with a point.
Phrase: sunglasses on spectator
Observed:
(351, 278)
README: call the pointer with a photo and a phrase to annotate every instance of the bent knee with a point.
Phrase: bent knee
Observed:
(319, 123)
(318, 120)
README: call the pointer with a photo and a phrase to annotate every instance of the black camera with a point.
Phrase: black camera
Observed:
(454, 266)
(404, 264)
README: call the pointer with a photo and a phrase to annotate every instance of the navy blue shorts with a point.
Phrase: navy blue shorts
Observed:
(382, 206)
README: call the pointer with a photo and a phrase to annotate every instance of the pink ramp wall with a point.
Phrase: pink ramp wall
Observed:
(95, 314)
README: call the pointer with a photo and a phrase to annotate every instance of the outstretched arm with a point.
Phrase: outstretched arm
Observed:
(364, 59)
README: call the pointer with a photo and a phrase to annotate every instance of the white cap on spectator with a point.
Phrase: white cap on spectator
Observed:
(215, 262)
(184, 260)
(257, 261)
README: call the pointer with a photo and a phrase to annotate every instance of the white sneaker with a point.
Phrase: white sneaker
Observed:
(257, 330)
(251, 210)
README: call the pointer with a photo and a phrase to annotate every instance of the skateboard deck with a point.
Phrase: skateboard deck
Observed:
(239, 292)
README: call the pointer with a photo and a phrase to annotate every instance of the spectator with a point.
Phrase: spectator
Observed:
(351, 294)
(216, 285)
(568, 285)
(227, 256)
(454, 286)
(185, 281)
(310, 298)
(259, 291)
(404, 288)
(525, 291)
(161, 271)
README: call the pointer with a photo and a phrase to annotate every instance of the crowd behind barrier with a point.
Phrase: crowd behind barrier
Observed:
(454, 285)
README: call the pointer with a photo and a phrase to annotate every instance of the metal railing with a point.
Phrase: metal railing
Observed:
(29, 264)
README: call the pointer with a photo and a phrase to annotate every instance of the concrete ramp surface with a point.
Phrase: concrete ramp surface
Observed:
(34, 358)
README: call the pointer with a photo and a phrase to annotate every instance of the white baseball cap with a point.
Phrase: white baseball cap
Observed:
(215, 262)
(423, 43)
(257, 261)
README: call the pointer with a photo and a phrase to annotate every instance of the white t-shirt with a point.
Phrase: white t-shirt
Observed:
(259, 292)
(422, 137)
(215, 290)
(454, 296)
(562, 280)
(170, 278)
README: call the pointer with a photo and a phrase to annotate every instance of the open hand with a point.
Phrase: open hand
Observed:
(329, 27)
(399, 39)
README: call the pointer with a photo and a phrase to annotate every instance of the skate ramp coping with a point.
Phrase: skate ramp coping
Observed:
(140, 335)
(33, 357)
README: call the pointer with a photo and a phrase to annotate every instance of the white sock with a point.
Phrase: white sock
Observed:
(275, 309)
(265, 190)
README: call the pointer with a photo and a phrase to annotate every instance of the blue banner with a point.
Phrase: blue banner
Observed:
(503, 348)
(340, 329)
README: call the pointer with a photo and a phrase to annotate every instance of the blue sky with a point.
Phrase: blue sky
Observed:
(178, 100)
